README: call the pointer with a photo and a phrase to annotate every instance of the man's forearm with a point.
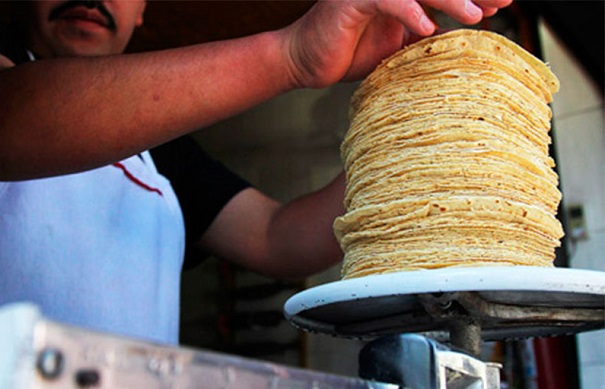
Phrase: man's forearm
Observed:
(94, 111)
(303, 241)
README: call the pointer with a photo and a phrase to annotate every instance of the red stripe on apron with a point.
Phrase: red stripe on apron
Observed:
(140, 183)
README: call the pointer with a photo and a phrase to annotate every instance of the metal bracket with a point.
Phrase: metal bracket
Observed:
(465, 314)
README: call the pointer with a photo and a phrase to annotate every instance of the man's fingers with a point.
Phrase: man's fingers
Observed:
(491, 7)
(467, 11)
(410, 14)
(464, 11)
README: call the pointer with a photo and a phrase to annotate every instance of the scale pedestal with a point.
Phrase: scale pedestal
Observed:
(414, 361)
(459, 306)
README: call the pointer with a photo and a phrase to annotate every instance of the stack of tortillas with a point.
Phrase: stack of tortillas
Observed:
(447, 159)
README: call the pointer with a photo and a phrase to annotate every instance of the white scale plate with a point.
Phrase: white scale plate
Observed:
(390, 303)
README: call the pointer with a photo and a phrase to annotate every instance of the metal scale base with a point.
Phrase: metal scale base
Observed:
(38, 353)
(459, 306)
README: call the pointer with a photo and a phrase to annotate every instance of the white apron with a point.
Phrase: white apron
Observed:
(101, 249)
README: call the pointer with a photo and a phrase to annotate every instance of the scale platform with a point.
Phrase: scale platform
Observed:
(482, 303)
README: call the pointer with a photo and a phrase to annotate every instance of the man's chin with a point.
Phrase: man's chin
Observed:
(82, 48)
(75, 42)
(79, 52)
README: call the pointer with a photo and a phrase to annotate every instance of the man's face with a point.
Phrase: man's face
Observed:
(59, 28)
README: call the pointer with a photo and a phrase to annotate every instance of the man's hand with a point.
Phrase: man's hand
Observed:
(344, 40)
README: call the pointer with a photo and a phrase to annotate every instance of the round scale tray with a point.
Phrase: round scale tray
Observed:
(506, 302)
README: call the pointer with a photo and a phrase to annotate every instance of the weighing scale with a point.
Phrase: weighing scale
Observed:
(423, 331)
(461, 306)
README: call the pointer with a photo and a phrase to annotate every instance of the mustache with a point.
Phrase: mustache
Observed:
(90, 4)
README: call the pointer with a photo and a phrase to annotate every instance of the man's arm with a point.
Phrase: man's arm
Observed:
(59, 116)
(66, 115)
(288, 241)
(63, 115)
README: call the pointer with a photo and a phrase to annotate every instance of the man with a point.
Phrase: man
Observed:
(88, 228)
